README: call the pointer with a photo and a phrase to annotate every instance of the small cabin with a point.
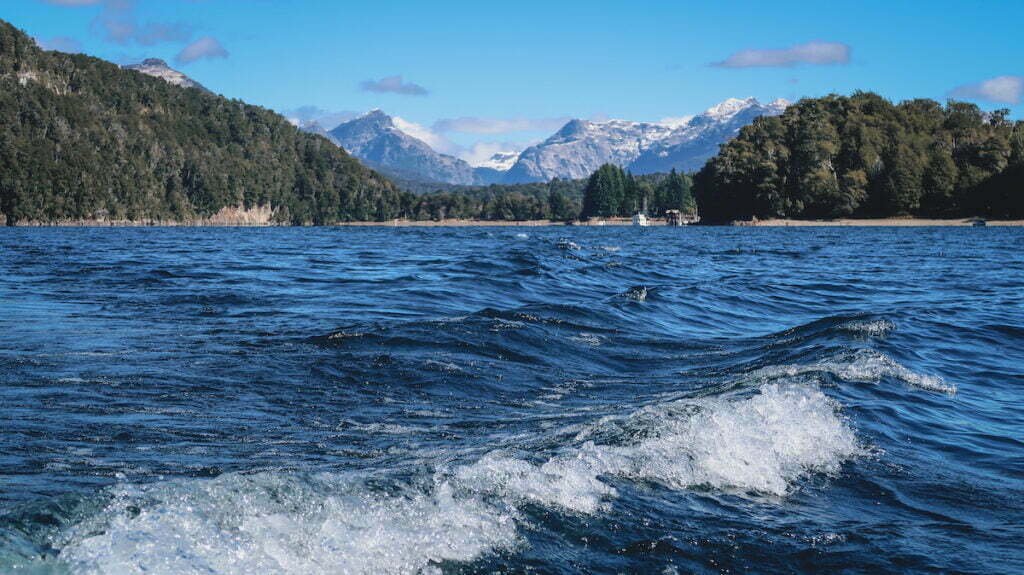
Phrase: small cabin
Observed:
(673, 218)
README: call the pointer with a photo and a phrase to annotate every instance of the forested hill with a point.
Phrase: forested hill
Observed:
(863, 156)
(80, 138)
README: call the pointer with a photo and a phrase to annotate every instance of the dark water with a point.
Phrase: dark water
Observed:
(480, 400)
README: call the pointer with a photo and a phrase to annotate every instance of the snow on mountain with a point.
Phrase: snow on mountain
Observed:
(690, 145)
(159, 69)
(403, 150)
(376, 139)
(502, 161)
(581, 146)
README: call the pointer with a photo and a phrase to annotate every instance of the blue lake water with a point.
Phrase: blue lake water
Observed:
(555, 400)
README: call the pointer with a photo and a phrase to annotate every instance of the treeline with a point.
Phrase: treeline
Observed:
(81, 138)
(611, 191)
(608, 192)
(555, 200)
(863, 156)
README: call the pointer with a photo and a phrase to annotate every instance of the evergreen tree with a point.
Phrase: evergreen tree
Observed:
(864, 156)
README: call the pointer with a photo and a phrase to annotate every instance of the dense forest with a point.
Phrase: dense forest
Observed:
(80, 138)
(863, 156)
(612, 192)
(609, 191)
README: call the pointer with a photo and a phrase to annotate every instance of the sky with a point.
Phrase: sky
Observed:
(472, 78)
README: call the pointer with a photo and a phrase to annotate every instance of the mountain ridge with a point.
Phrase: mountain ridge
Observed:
(159, 69)
(575, 151)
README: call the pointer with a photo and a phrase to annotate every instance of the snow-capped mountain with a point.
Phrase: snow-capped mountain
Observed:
(314, 127)
(582, 146)
(501, 162)
(159, 69)
(691, 144)
(375, 139)
(575, 151)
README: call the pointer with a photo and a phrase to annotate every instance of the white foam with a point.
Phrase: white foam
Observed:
(874, 328)
(289, 523)
(863, 366)
(275, 523)
(563, 481)
(764, 443)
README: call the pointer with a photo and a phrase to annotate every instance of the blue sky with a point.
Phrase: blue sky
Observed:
(470, 73)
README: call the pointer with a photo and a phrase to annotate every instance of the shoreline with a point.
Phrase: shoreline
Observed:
(868, 222)
(878, 222)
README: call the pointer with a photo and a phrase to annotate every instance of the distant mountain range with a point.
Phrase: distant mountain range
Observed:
(575, 151)
(159, 69)
(376, 140)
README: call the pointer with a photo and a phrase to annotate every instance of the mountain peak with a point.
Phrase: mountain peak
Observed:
(159, 69)
(731, 106)
(573, 127)
(375, 118)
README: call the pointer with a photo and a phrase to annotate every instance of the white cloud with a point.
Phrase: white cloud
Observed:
(206, 47)
(472, 125)
(435, 140)
(818, 53)
(475, 154)
(393, 85)
(480, 152)
(327, 119)
(1002, 89)
(73, 2)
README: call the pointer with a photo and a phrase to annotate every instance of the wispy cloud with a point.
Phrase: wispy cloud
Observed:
(1002, 89)
(326, 118)
(206, 47)
(160, 32)
(480, 152)
(473, 125)
(439, 142)
(393, 85)
(116, 21)
(73, 2)
(816, 53)
(474, 154)
(60, 43)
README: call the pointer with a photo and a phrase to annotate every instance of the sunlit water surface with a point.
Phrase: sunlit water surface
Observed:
(495, 399)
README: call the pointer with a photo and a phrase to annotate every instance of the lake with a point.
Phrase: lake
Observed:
(557, 400)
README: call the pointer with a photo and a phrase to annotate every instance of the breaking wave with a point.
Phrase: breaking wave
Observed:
(293, 523)
(862, 366)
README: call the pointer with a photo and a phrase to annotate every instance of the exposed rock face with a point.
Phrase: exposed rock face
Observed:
(581, 146)
(688, 147)
(575, 151)
(159, 69)
(374, 139)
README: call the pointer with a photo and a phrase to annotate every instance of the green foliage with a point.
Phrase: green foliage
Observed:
(863, 156)
(81, 138)
(612, 192)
